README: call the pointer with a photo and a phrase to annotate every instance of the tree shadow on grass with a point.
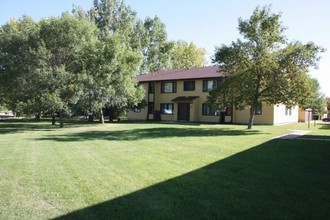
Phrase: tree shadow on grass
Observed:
(7, 127)
(148, 133)
(325, 126)
(280, 179)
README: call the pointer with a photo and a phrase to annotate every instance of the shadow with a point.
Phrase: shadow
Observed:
(16, 126)
(148, 133)
(315, 137)
(280, 179)
(325, 126)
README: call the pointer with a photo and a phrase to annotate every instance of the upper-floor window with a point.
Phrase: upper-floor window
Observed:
(167, 108)
(209, 85)
(168, 87)
(209, 110)
(151, 87)
(189, 86)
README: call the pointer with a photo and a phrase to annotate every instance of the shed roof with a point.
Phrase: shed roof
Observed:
(181, 74)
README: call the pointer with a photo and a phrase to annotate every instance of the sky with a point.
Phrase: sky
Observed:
(207, 23)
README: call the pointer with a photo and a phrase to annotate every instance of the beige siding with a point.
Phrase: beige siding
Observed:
(302, 115)
(139, 115)
(242, 117)
(195, 105)
(280, 116)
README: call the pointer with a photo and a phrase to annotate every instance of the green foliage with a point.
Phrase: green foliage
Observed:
(61, 62)
(150, 38)
(187, 55)
(315, 100)
(264, 68)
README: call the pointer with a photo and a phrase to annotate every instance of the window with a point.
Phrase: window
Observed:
(209, 110)
(258, 110)
(209, 85)
(137, 110)
(151, 108)
(288, 111)
(168, 87)
(151, 87)
(167, 108)
(189, 86)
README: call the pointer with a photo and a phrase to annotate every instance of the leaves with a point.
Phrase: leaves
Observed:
(264, 68)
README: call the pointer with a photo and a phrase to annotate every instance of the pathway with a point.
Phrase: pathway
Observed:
(298, 134)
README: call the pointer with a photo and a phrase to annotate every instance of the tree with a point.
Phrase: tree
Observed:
(264, 68)
(328, 105)
(20, 50)
(315, 99)
(187, 55)
(110, 78)
(150, 38)
(43, 63)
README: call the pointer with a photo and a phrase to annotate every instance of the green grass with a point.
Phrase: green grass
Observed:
(162, 171)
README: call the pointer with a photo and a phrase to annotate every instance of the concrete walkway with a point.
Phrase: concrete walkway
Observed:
(295, 134)
(298, 134)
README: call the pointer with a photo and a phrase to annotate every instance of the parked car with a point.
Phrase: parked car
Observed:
(326, 119)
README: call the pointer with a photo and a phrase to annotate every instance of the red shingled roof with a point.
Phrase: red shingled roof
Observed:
(192, 73)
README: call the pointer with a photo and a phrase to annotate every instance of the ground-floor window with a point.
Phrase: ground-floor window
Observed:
(228, 111)
(167, 108)
(151, 108)
(137, 110)
(288, 111)
(258, 110)
(209, 110)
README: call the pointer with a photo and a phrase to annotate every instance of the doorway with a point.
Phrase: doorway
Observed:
(183, 111)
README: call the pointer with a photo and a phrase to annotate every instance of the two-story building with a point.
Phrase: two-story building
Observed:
(181, 95)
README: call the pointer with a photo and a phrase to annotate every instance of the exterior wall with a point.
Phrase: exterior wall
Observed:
(195, 105)
(266, 118)
(270, 114)
(143, 114)
(280, 116)
(302, 115)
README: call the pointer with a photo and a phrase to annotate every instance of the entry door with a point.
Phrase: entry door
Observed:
(183, 111)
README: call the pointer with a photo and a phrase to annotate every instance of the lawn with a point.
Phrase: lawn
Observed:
(162, 171)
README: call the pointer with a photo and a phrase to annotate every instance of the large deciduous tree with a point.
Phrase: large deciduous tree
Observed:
(151, 37)
(264, 67)
(42, 62)
(187, 55)
(110, 80)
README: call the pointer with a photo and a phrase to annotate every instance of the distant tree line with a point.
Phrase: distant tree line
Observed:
(86, 61)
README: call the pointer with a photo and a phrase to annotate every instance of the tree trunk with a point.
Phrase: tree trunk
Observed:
(53, 119)
(101, 116)
(61, 119)
(90, 118)
(251, 119)
(111, 113)
(222, 117)
(37, 117)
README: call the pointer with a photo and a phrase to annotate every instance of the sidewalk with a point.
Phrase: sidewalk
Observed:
(298, 134)
(295, 134)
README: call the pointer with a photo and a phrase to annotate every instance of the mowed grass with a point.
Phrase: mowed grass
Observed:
(162, 171)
